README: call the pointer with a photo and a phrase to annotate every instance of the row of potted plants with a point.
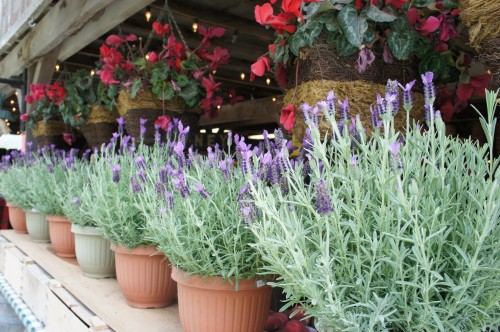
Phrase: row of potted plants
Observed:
(393, 231)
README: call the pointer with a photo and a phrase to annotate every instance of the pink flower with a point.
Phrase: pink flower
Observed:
(287, 117)
(163, 122)
(152, 57)
(447, 28)
(24, 117)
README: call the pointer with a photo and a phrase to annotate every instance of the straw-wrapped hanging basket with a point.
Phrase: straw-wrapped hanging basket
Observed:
(321, 70)
(481, 17)
(50, 132)
(100, 125)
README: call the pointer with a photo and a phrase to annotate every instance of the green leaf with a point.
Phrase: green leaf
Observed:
(422, 47)
(369, 37)
(378, 15)
(353, 25)
(401, 44)
(297, 41)
(332, 24)
(182, 80)
(189, 92)
(344, 48)
(433, 62)
(400, 24)
(136, 86)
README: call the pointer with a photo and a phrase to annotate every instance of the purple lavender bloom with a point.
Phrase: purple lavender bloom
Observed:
(391, 100)
(199, 188)
(135, 185)
(427, 113)
(323, 200)
(182, 131)
(381, 105)
(121, 122)
(86, 154)
(76, 201)
(179, 150)
(180, 184)
(267, 144)
(116, 173)
(374, 117)
(223, 168)
(143, 122)
(394, 148)
(163, 175)
(354, 160)
(246, 164)
(159, 189)
(140, 162)
(328, 105)
(306, 112)
(157, 134)
(278, 137)
(408, 95)
(141, 175)
(344, 110)
(429, 88)
(29, 146)
(170, 200)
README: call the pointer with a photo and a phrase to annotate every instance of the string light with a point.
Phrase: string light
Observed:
(203, 131)
(218, 107)
(13, 109)
(16, 93)
(147, 57)
(242, 75)
(274, 98)
(226, 131)
(92, 72)
(57, 67)
(215, 130)
(268, 81)
(195, 26)
(214, 71)
(148, 13)
(12, 102)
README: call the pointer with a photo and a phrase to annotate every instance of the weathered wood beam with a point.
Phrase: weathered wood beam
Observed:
(207, 15)
(113, 15)
(64, 19)
(257, 112)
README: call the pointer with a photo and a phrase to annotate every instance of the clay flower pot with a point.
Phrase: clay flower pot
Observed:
(17, 219)
(63, 241)
(92, 252)
(144, 277)
(213, 304)
(38, 226)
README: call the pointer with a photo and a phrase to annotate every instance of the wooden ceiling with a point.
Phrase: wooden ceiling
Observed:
(245, 39)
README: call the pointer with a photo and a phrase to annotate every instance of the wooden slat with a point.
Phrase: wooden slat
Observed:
(64, 19)
(255, 112)
(114, 14)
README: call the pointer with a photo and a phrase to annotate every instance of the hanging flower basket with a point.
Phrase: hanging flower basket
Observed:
(50, 132)
(100, 126)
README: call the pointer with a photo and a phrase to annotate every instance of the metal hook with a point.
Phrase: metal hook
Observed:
(32, 23)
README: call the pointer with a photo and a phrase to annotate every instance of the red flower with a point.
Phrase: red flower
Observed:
(263, 13)
(424, 26)
(260, 66)
(163, 122)
(113, 40)
(282, 22)
(218, 58)
(161, 29)
(447, 28)
(68, 138)
(152, 57)
(396, 3)
(287, 117)
(358, 4)
(476, 87)
(127, 65)
(29, 99)
(24, 117)
(210, 86)
(211, 32)
(292, 7)
(107, 77)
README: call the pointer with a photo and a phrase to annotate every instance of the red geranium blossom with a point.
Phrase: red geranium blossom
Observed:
(163, 122)
(161, 29)
(287, 117)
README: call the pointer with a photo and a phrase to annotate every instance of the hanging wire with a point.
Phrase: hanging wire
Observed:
(172, 19)
(159, 19)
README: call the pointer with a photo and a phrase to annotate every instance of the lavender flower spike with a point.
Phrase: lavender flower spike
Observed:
(429, 89)
(76, 201)
(408, 95)
(134, 185)
(394, 148)
(121, 122)
(323, 200)
(143, 122)
(199, 188)
(344, 110)
(116, 173)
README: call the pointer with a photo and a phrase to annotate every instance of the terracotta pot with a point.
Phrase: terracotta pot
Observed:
(213, 305)
(92, 252)
(17, 219)
(38, 226)
(63, 241)
(144, 277)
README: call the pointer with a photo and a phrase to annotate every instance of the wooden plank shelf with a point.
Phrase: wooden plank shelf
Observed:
(64, 300)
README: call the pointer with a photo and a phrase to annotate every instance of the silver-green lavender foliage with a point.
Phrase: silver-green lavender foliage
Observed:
(389, 236)
(14, 180)
(197, 222)
(76, 209)
(109, 199)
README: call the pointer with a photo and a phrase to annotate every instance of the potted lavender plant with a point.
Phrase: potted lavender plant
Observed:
(118, 175)
(392, 233)
(92, 251)
(202, 227)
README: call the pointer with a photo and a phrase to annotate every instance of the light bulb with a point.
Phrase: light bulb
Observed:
(214, 71)
(12, 102)
(13, 109)
(57, 67)
(215, 130)
(268, 81)
(242, 75)
(274, 98)
(203, 131)
(147, 57)
(218, 107)
(92, 72)
(148, 13)
(195, 26)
